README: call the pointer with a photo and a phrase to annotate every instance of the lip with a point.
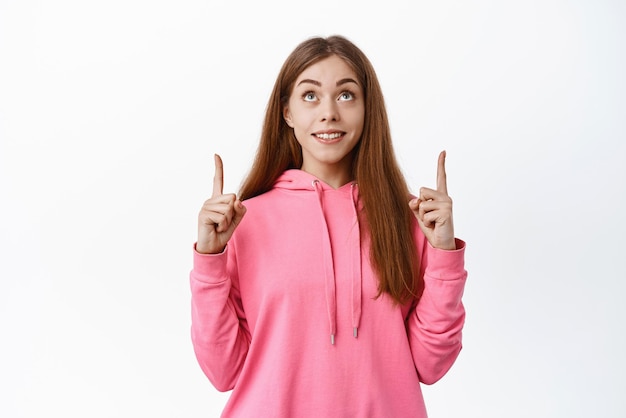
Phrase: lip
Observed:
(334, 136)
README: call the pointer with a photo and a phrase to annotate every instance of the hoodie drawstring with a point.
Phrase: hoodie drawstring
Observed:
(356, 264)
(329, 272)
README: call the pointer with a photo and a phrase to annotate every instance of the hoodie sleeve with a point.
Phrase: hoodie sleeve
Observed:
(219, 330)
(435, 326)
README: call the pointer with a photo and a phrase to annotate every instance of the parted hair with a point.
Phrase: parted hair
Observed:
(383, 190)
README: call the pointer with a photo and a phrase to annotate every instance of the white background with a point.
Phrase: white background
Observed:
(110, 113)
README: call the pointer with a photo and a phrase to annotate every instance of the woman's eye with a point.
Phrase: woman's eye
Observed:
(309, 97)
(346, 95)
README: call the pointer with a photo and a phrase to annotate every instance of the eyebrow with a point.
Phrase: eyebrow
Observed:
(317, 83)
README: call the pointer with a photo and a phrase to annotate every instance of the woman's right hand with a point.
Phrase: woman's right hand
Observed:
(219, 216)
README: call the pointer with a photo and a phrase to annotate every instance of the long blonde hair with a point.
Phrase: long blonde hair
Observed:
(382, 187)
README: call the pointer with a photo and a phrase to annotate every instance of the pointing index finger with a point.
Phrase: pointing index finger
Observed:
(218, 179)
(442, 184)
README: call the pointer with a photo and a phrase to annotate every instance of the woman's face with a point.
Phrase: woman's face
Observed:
(326, 111)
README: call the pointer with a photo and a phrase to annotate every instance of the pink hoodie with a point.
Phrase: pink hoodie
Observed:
(287, 318)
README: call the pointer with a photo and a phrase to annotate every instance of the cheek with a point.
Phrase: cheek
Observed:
(359, 120)
(300, 130)
(302, 120)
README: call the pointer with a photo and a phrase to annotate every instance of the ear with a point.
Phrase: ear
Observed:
(287, 116)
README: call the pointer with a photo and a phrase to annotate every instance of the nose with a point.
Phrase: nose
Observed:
(329, 112)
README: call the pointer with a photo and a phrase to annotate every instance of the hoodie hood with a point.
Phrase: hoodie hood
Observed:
(298, 180)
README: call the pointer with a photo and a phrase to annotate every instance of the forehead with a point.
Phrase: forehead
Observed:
(328, 71)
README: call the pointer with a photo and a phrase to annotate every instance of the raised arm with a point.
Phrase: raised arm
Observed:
(435, 326)
(219, 330)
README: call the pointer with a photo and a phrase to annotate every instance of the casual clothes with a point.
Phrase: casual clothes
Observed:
(287, 317)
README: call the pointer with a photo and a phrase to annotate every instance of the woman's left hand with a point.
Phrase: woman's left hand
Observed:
(433, 210)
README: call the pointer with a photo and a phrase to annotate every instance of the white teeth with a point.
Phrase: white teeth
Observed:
(328, 136)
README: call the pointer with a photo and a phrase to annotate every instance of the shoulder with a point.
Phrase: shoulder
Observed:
(268, 198)
(268, 206)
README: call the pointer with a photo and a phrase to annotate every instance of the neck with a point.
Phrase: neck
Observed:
(334, 176)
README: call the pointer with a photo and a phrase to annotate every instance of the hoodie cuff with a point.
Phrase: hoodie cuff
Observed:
(446, 264)
(210, 268)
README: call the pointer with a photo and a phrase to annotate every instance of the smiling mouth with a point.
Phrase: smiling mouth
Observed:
(329, 137)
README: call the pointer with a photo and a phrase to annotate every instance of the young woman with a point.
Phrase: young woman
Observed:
(333, 292)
